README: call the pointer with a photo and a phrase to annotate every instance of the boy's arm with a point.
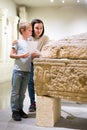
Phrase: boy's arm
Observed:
(14, 54)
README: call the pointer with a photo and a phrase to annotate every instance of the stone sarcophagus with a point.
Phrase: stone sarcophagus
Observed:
(61, 73)
(61, 78)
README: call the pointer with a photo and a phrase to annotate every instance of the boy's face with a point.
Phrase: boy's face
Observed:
(28, 32)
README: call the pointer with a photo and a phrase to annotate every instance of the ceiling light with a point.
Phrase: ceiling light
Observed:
(51, 1)
(63, 1)
(78, 1)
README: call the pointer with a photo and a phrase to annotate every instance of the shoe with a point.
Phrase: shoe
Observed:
(32, 107)
(78, 103)
(23, 114)
(16, 116)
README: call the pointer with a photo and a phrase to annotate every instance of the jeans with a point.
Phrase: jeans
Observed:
(31, 85)
(19, 84)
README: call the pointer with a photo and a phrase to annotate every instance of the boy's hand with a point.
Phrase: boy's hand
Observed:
(25, 55)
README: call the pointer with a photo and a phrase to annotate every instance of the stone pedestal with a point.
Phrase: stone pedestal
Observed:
(48, 111)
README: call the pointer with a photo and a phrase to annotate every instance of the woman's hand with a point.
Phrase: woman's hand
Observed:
(14, 42)
(35, 54)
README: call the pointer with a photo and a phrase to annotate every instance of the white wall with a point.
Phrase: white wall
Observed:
(10, 5)
(61, 22)
(6, 67)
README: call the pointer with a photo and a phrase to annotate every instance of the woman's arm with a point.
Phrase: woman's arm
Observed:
(42, 42)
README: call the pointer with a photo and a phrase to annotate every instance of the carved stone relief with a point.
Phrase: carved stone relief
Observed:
(61, 78)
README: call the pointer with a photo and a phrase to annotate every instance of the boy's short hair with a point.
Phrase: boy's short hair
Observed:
(24, 26)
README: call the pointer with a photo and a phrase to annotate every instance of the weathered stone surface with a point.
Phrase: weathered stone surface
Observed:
(63, 71)
(63, 78)
(74, 47)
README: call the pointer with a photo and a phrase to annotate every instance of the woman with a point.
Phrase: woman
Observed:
(38, 35)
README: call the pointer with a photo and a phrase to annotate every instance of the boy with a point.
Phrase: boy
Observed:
(20, 77)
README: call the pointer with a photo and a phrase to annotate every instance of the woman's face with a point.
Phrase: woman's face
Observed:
(38, 29)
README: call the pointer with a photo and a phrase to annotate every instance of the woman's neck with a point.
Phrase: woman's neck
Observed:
(36, 38)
